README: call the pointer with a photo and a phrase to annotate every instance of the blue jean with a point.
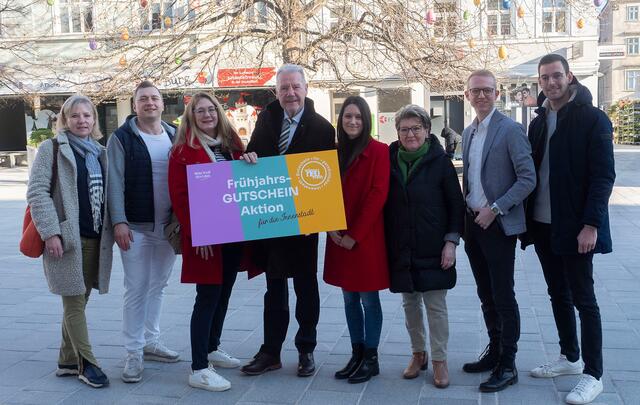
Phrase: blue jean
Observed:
(364, 317)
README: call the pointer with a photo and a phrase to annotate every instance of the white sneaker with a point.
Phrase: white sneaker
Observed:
(133, 367)
(562, 366)
(159, 352)
(222, 359)
(587, 390)
(209, 380)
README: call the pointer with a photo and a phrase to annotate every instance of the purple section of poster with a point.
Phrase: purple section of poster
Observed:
(203, 179)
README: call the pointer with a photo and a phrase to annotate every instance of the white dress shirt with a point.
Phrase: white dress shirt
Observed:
(295, 120)
(476, 198)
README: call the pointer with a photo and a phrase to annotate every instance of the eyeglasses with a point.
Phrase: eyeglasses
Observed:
(415, 130)
(202, 111)
(487, 91)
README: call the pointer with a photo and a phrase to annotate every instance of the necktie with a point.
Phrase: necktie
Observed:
(284, 136)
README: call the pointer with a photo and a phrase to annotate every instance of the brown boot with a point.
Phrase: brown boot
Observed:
(440, 374)
(418, 362)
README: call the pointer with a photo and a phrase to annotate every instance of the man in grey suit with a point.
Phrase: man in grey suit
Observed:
(498, 175)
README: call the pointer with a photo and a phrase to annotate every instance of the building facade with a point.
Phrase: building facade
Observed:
(620, 49)
(525, 31)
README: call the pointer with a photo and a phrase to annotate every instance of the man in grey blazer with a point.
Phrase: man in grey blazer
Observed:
(498, 176)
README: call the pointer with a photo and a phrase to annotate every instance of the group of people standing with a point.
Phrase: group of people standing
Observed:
(405, 212)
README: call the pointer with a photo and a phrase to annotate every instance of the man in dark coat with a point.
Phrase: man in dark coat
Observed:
(567, 217)
(290, 125)
(451, 141)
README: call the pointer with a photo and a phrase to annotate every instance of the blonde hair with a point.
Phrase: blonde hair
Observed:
(224, 129)
(69, 105)
(483, 73)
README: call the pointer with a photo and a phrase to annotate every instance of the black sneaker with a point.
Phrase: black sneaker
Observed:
(93, 376)
(67, 371)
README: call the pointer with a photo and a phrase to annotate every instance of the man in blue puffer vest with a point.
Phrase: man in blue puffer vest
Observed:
(138, 154)
(568, 217)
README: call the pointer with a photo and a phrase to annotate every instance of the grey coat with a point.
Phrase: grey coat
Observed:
(508, 175)
(64, 275)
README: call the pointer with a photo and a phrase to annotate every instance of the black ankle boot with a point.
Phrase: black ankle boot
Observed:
(357, 355)
(368, 368)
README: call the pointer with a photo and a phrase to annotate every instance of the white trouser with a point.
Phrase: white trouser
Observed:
(147, 267)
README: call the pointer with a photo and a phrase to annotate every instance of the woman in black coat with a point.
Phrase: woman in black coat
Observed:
(423, 222)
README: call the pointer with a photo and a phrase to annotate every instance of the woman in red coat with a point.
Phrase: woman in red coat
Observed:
(356, 258)
(205, 135)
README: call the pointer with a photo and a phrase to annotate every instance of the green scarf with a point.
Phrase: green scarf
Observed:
(409, 160)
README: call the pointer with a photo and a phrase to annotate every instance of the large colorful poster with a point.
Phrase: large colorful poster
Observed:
(279, 196)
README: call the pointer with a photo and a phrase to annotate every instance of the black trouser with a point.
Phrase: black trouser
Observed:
(570, 283)
(276, 313)
(210, 308)
(491, 255)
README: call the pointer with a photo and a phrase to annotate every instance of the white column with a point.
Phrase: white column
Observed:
(123, 108)
(321, 101)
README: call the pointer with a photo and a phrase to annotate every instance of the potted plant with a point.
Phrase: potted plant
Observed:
(36, 137)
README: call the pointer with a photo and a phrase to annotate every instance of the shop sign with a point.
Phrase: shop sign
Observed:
(245, 77)
(611, 51)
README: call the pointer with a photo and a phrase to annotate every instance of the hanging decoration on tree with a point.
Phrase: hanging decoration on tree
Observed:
(93, 45)
(521, 11)
(50, 2)
(178, 60)
(466, 14)
(502, 52)
(580, 23)
(167, 22)
(123, 61)
(476, 3)
(124, 35)
(472, 43)
(597, 3)
(144, 3)
(431, 17)
(506, 4)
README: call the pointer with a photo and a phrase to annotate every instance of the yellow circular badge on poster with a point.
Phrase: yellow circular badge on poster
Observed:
(313, 173)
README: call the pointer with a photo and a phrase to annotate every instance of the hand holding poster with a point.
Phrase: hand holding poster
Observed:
(279, 196)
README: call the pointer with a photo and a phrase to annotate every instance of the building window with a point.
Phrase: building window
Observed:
(498, 18)
(446, 24)
(633, 46)
(158, 15)
(75, 16)
(554, 16)
(257, 13)
(632, 80)
(632, 13)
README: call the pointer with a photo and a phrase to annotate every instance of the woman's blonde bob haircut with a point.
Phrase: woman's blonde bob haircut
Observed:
(62, 124)
(188, 130)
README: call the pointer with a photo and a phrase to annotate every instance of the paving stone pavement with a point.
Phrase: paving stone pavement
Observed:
(30, 331)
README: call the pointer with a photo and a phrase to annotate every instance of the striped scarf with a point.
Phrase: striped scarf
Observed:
(90, 151)
(213, 147)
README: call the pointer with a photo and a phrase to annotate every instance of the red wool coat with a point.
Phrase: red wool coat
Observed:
(194, 268)
(365, 185)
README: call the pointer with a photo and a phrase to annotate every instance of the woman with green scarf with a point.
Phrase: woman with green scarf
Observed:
(423, 221)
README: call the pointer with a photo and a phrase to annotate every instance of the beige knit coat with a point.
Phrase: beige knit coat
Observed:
(60, 216)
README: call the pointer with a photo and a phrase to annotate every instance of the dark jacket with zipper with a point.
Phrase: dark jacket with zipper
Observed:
(581, 171)
(131, 188)
(293, 255)
(420, 216)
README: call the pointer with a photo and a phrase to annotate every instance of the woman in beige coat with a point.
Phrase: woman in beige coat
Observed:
(70, 213)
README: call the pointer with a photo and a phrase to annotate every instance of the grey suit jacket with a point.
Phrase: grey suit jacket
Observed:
(508, 174)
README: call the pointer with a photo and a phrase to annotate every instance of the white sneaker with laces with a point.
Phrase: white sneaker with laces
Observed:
(586, 391)
(562, 366)
(222, 359)
(159, 352)
(208, 379)
(133, 367)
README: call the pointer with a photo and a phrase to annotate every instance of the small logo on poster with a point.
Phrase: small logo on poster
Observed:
(313, 173)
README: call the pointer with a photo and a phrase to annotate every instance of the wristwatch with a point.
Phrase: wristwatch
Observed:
(495, 209)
